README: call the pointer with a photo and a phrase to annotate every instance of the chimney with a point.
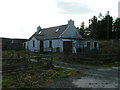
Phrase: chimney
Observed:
(38, 28)
(107, 12)
(71, 22)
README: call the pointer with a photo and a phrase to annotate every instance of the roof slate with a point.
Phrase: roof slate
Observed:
(50, 33)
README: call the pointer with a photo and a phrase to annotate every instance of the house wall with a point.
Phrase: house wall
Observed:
(37, 45)
(71, 32)
(57, 45)
(91, 44)
(47, 46)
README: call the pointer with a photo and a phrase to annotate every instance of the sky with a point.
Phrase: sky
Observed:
(20, 18)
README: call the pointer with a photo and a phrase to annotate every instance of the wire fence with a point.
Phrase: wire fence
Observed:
(18, 64)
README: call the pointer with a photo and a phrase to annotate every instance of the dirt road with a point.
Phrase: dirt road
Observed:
(93, 77)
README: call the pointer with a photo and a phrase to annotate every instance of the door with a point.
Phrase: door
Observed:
(67, 46)
(95, 45)
(41, 46)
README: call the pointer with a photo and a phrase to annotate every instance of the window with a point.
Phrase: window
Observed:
(50, 44)
(24, 45)
(88, 45)
(57, 30)
(40, 32)
(33, 43)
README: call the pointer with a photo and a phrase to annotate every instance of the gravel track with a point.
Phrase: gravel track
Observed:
(93, 77)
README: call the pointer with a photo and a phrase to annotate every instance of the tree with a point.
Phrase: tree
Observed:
(93, 26)
(81, 30)
(109, 21)
(116, 28)
(101, 29)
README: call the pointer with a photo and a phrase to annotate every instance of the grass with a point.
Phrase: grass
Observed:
(14, 54)
(35, 77)
(107, 56)
(97, 60)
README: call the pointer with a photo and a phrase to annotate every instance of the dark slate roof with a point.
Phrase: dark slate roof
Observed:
(50, 33)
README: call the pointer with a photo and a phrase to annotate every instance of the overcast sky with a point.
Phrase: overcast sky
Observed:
(20, 18)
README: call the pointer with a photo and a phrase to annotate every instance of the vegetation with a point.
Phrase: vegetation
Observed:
(101, 28)
(26, 74)
(95, 60)
(34, 78)
(108, 55)
(11, 54)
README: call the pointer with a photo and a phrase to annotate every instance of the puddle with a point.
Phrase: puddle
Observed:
(86, 82)
(64, 67)
(116, 68)
(33, 60)
(104, 69)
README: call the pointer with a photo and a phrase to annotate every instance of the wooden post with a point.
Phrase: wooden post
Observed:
(51, 61)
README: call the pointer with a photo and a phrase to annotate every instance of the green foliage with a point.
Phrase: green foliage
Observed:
(102, 29)
(35, 79)
(32, 75)
(14, 54)
(52, 74)
(109, 47)
(116, 28)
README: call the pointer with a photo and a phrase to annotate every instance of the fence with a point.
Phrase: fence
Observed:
(92, 58)
(18, 64)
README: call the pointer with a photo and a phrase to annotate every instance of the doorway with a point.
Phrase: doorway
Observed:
(67, 46)
(41, 46)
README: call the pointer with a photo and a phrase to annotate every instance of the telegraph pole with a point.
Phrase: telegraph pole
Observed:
(108, 25)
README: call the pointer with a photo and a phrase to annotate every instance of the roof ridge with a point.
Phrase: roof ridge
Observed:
(55, 26)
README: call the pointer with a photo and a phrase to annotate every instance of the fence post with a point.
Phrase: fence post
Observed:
(51, 61)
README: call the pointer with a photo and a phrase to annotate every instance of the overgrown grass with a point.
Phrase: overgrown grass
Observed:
(36, 76)
(14, 54)
(109, 47)
(100, 61)
(107, 56)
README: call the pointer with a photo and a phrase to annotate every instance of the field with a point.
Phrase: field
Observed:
(19, 72)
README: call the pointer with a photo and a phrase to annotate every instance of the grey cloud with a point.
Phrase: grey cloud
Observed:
(73, 7)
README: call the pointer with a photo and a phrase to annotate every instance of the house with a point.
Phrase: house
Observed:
(63, 38)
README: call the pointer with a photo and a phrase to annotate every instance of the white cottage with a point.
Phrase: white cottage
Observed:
(64, 38)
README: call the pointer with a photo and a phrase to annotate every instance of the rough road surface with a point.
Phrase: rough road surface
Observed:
(93, 77)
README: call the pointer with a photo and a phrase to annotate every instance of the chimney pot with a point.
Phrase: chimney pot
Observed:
(70, 22)
(38, 28)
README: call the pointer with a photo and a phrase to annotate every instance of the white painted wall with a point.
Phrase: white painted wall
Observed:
(55, 45)
(37, 45)
(58, 43)
(91, 44)
(71, 32)
(47, 46)
(46, 43)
